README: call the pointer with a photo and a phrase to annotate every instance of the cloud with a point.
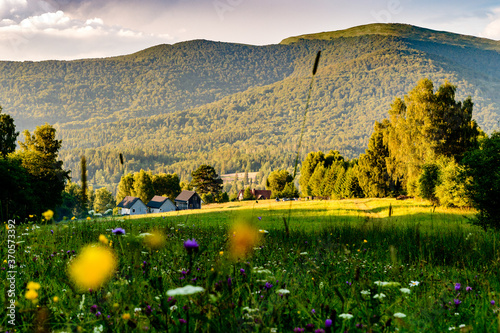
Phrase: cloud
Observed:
(32, 30)
(492, 30)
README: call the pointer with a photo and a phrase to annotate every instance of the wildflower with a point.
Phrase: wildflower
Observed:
(31, 294)
(457, 286)
(155, 240)
(244, 238)
(328, 323)
(492, 302)
(260, 218)
(88, 218)
(381, 295)
(319, 330)
(262, 231)
(31, 216)
(48, 215)
(55, 299)
(268, 286)
(51, 231)
(242, 270)
(451, 328)
(399, 315)
(313, 311)
(103, 239)
(118, 231)
(282, 291)
(404, 290)
(33, 285)
(73, 218)
(365, 292)
(298, 330)
(365, 241)
(414, 283)
(191, 245)
(182, 321)
(186, 290)
(457, 301)
(221, 253)
(468, 288)
(347, 316)
(92, 267)
(126, 316)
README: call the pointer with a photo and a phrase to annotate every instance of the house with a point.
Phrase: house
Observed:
(132, 206)
(160, 204)
(188, 200)
(258, 194)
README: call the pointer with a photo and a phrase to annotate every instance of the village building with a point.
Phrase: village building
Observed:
(160, 204)
(188, 200)
(132, 206)
(258, 194)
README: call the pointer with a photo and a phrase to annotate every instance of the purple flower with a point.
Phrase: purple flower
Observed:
(268, 286)
(98, 313)
(468, 288)
(328, 323)
(492, 302)
(359, 325)
(298, 330)
(229, 280)
(348, 283)
(319, 330)
(457, 301)
(118, 231)
(51, 231)
(182, 321)
(191, 245)
(313, 311)
(260, 218)
(93, 308)
(242, 271)
(457, 286)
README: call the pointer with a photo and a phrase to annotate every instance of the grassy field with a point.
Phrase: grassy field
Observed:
(364, 265)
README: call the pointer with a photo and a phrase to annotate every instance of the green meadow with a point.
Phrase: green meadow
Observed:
(364, 265)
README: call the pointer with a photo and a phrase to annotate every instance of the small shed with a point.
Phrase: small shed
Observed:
(160, 204)
(188, 200)
(132, 206)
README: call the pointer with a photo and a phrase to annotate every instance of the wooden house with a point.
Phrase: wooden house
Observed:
(188, 200)
(160, 204)
(258, 194)
(132, 206)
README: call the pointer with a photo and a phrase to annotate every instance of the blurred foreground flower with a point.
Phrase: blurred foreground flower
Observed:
(186, 290)
(155, 240)
(48, 215)
(243, 237)
(103, 239)
(191, 245)
(92, 267)
(118, 231)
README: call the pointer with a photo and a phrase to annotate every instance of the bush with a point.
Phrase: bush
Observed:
(450, 191)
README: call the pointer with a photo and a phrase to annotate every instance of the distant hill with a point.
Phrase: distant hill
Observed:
(239, 107)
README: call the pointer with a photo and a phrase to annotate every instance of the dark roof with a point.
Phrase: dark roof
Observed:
(259, 194)
(127, 202)
(185, 195)
(157, 201)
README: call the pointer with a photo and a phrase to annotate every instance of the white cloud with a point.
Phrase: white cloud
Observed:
(492, 30)
(35, 30)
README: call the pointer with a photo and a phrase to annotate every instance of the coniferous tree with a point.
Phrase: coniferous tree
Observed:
(8, 134)
(206, 180)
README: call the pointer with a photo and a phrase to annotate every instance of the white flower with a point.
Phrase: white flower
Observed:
(262, 231)
(451, 328)
(365, 292)
(303, 253)
(414, 283)
(173, 308)
(404, 290)
(321, 285)
(98, 329)
(346, 316)
(144, 234)
(457, 314)
(186, 290)
(380, 283)
(399, 315)
(381, 295)
(137, 310)
(282, 291)
(461, 326)
(246, 308)
(262, 271)
(274, 330)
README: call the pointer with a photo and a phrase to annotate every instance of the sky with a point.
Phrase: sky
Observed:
(74, 29)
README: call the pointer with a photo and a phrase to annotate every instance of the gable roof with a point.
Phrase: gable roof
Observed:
(127, 202)
(185, 195)
(157, 201)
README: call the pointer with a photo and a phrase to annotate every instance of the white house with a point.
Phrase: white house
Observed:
(132, 206)
(160, 204)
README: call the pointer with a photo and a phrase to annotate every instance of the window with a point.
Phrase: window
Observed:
(133, 210)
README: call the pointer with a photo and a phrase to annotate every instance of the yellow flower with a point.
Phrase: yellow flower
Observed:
(88, 218)
(116, 305)
(7, 227)
(48, 215)
(31, 216)
(5, 261)
(365, 241)
(92, 267)
(33, 285)
(103, 239)
(155, 240)
(221, 252)
(243, 238)
(73, 218)
(212, 269)
(55, 299)
(126, 316)
(31, 295)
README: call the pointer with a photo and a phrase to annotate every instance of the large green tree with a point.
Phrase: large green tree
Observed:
(143, 186)
(206, 180)
(426, 125)
(167, 185)
(277, 180)
(482, 181)
(39, 156)
(8, 134)
(125, 187)
(104, 200)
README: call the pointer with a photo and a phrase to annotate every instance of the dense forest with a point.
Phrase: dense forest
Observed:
(237, 107)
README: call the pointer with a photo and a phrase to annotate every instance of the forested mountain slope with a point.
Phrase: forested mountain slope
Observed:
(171, 107)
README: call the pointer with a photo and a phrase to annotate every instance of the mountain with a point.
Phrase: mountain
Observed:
(170, 108)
